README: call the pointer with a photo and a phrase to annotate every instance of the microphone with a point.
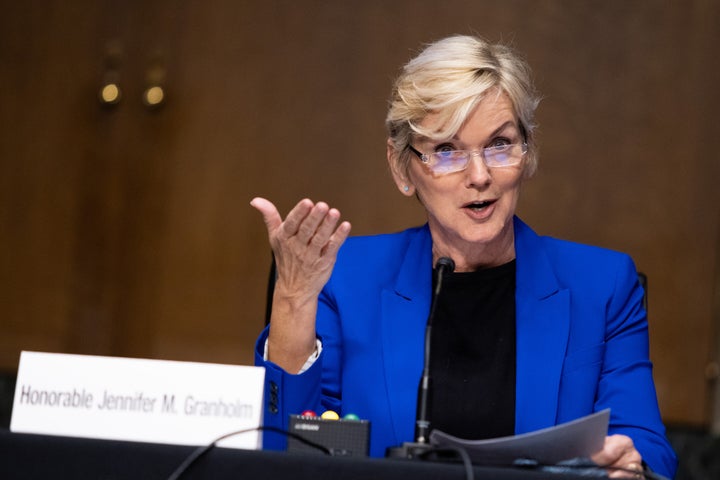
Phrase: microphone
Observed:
(443, 266)
(422, 423)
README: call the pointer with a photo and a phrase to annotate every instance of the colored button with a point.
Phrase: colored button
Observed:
(351, 416)
(330, 415)
(308, 413)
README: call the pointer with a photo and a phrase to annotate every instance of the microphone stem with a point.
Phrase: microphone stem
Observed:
(422, 424)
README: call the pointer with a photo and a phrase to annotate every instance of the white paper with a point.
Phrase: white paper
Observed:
(578, 438)
(157, 401)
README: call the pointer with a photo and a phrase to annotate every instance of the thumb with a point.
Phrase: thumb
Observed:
(270, 214)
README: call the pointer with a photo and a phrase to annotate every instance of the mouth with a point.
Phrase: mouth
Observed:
(478, 206)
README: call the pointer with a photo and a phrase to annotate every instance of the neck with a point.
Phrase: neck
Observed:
(472, 256)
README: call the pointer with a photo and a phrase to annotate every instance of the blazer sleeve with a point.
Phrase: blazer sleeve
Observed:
(626, 383)
(317, 388)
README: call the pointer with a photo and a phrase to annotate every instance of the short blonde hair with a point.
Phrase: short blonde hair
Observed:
(449, 78)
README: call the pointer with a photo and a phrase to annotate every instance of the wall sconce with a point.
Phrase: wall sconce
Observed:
(154, 95)
(110, 93)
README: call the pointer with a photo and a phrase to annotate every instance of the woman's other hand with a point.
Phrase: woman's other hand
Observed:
(620, 457)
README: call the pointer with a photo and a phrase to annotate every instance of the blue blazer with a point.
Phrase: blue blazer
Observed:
(582, 342)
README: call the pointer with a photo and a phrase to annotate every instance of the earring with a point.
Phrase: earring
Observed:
(406, 188)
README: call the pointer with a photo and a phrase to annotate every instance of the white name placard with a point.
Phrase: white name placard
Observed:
(157, 401)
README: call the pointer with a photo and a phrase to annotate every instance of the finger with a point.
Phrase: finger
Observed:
(337, 239)
(633, 471)
(326, 228)
(631, 465)
(269, 212)
(296, 217)
(309, 225)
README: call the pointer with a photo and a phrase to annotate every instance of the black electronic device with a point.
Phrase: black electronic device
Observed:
(349, 438)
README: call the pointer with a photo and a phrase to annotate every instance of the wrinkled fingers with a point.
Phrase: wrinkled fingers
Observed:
(324, 230)
(293, 222)
(337, 239)
(308, 229)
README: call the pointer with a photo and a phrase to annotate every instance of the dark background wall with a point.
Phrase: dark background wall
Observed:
(126, 230)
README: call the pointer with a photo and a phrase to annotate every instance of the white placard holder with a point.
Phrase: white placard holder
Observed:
(156, 401)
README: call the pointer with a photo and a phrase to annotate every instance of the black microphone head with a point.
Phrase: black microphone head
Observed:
(445, 263)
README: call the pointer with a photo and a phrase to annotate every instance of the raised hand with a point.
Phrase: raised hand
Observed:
(305, 245)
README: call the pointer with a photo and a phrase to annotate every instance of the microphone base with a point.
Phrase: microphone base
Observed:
(408, 450)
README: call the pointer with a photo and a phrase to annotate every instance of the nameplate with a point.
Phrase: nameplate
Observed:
(156, 401)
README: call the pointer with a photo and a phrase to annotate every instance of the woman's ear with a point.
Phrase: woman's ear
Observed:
(400, 176)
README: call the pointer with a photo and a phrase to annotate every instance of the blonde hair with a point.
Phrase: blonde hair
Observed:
(449, 78)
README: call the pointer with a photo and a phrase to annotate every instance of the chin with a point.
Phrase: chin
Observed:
(486, 234)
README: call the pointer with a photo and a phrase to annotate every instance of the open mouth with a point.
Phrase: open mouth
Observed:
(476, 206)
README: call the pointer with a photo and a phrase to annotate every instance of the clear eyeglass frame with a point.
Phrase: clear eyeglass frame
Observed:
(451, 161)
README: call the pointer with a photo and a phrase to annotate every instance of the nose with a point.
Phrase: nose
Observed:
(477, 174)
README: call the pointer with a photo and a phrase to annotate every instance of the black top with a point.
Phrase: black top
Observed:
(472, 361)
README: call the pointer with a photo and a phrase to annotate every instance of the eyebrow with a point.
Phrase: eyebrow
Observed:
(494, 133)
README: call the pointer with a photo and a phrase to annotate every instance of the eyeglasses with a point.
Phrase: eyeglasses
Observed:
(449, 161)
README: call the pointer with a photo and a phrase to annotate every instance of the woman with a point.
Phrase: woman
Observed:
(530, 331)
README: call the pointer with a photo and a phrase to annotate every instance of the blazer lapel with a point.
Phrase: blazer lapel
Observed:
(543, 322)
(405, 307)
